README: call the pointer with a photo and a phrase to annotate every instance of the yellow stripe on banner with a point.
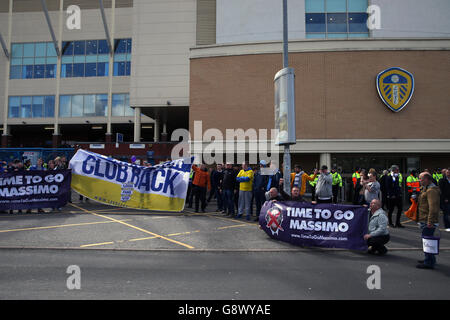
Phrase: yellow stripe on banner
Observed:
(110, 193)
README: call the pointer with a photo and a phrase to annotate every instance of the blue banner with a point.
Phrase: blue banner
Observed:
(34, 189)
(316, 225)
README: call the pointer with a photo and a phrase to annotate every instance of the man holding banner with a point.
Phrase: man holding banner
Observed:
(162, 187)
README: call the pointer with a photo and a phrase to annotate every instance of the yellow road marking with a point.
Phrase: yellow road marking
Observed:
(60, 226)
(233, 226)
(136, 228)
(139, 239)
(96, 244)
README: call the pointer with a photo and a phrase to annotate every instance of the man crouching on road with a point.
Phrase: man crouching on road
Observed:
(378, 234)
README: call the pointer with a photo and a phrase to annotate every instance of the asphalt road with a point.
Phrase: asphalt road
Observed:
(130, 254)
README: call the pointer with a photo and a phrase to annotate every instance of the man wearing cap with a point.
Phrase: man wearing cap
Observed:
(259, 184)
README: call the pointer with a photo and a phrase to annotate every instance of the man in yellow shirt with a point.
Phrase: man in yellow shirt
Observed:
(245, 179)
(299, 178)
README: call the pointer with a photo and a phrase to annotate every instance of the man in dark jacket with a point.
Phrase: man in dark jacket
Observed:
(216, 179)
(394, 195)
(382, 182)
(444, 186)
(228, 187)
(259, 185)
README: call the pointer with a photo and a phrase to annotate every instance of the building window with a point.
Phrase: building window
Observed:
(328, 19)
(122, 57)
(33, 60)
(121, 105)
(31, 107)
(83, 105)
(90, 58)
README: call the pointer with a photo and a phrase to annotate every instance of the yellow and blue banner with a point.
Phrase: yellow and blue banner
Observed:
(106, 180)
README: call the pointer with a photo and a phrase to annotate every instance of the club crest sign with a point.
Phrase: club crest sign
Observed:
(395, 87)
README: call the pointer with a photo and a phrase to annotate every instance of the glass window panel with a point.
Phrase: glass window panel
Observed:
(39, 60)
(78, 70)
(120, 46)
(128, 66)
(16, 61)
(101, 105)
(358, 35)
(91, 58)
(91, 70)
(79, 59)
(129, 57)
(64, 106)
(51, 60)
(357, 5)
(51, 52)
(103, 47)
(28, 50)
(49, 106)
(357, 22)
(38, 106)
(315, 22)
(336, 5)
(89, 105)
(14, 106)
(27, 72)
(119, 68)
(17, 50)
(315, 35)
(41, 49)
(15, 72)
(67, 48)
(129, 45)
(39, 71)
(79, 48)
(128, 110)
(337, 22)
(120, 57)
(118, 105)
(103, 58)
(28, 61)
(50, 70)
(337, 35)
(314, 6)
(102, 69)
(25, 108)
(67, 59)
(91, 47)
(66, 70)
(77, 106)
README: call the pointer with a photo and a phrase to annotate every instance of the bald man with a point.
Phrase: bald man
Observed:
(378, 234)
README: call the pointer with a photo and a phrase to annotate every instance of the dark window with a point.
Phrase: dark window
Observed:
(120, 46)
(67, 70)
(78, 70)
(119, 68)
(49, 106)
(315, 22)
(91, 47)
(128, 72)
(357, 22)
(102, 69)
(27, 72)
(103, 47)
(50, 70)
(337, 22)
(79, 48)
(67, 48)
(16, 72)
(91, 70)
(128, 45)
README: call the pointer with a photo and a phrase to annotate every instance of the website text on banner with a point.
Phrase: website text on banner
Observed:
(162, 187)
(34, 189)
(316, 225)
